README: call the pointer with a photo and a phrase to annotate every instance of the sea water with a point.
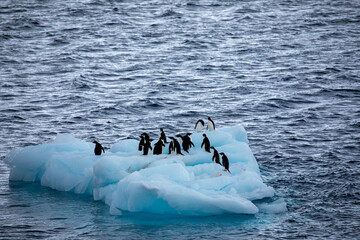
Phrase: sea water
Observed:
(109, 70)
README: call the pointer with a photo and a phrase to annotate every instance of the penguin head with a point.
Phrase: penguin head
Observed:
(161, 129)
(212, 147)
(172, 138)
(209, 118)
(188, 134)
(95, 142)
(222, 154)
(204, 135)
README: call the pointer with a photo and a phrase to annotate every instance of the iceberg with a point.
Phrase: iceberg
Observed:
(125, 180)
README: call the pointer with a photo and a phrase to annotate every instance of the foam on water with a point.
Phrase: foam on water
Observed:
(165, 184)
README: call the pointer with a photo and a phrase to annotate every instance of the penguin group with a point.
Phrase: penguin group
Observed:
(175, 146)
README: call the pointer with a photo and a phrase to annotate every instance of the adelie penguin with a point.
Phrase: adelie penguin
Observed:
(146, 147)
(211, 125)
(142, 142)
(225, 161)
(205, 143)
(176, 146)
(215, 157)
(187, 143)
(158, 147)
(147, 144)
(98, 148)
(162, 135)
(199, 125)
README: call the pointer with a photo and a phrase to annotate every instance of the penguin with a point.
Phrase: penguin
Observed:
(199, 125)
(158, 147)
(187, 143)
(171, 147)
(146, 147)
(162, 135)
(180, 138)
(225, 161)
(141, 143)
(176, 147)
(216, 157)
(147, 138)
(205, 143)
(147, 143)
(98, 148)
(211, 125)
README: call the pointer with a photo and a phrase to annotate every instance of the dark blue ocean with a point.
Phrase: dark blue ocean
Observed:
(289, 71)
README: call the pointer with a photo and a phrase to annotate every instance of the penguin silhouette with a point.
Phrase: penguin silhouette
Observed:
(187, 143)
(171, 147)
(225, 161)
(98, 148)
(205, 143)
(141, 143)
(215, 157)
(146, 147)
(158, 147)
(177, 147)
(211, 125)
(199, 125)
(162, 135)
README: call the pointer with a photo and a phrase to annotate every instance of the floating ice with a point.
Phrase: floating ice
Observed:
(128, 181)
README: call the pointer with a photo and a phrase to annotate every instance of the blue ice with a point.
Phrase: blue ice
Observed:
(164, 184)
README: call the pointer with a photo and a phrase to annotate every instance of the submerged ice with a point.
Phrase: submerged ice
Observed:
(165, 184)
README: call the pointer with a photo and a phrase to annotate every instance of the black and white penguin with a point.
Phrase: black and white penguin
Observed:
(177, 147)
(206, 143)
(171, 147)
(215, 157)
(142, 142)
(187, 143)
(199, 125)
(162, 135)
(225, 161)
(147, 143)
(211, 125)
(180, 138)
(158, 147)
(146, 147)
(98, 148)
(147, 138)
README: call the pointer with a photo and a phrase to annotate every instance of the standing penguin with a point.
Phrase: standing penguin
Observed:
(199, 125)
(171, 147)
(187, 143)
(146, 147)
(205, 143)
(216, 157)
(147, 143)
(225, 161)
(177, 147)
(141, 143)
(162, 135)
(211, 125)
(158, 147)
(98, 148)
